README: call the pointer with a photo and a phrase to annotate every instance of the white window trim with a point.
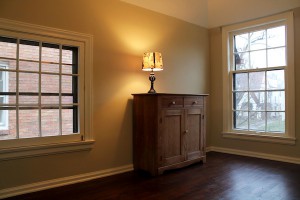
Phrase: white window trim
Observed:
(228, 132)
(29, 147)
(4, 126)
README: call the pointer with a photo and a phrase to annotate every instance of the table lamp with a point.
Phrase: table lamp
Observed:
(152, 61)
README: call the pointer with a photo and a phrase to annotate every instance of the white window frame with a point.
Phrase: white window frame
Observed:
(228, 130)
(4, 124)
(19, 148)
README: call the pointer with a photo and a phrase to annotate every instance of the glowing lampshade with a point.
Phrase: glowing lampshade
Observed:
(152, 61)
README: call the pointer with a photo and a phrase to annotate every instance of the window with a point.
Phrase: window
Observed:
(44, 104)
(258, 80)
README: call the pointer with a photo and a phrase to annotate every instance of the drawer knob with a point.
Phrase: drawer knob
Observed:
(195, 102)
(173, 102)
(186, 131)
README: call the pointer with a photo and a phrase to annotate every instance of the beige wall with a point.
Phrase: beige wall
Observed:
(216, 100)
(122, 33)
(227, 12)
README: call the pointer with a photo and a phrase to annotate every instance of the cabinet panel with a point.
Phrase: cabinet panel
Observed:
(193, 138)
(171, 136)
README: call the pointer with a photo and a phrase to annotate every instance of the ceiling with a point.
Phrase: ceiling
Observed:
(214, 13)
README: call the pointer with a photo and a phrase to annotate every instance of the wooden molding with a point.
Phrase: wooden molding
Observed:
(287, 159)
(43, 185)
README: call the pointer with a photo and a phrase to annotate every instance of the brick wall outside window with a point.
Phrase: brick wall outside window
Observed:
(29, 82)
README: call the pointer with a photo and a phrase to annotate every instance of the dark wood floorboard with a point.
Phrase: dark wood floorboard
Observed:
(223, 177)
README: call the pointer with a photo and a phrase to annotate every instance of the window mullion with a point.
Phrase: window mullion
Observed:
(266, 100)
(249, 55)
(60, 89)
(17, 89)
(40, 90)
(266, 83)
(248, 102)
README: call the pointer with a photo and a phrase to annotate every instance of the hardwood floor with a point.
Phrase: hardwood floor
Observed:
(223, 177)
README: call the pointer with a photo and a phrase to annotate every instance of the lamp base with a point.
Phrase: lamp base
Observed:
(152, 91)
(152, 79)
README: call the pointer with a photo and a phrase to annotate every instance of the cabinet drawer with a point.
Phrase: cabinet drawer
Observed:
(172, 102)
(193, 101)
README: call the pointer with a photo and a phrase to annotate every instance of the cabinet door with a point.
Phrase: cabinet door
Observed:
(193, 135)
(171, 137)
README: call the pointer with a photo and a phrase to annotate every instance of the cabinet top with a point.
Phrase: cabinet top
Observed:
(158, 94)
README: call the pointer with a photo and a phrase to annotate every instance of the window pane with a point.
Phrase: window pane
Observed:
(67, 121)
(258, 40)
(8, 49)
(23, 99)
(29, 50)
(276, 37)
(276, 57)
(257, 101)
(54, 68)
(240, 100)
(50, 53)
(67, 56)
(67, 84)
(8, 132)
(241, 43)
(276, 101)
(276, 122)
(12, 82)
(29, 66)
(257, 121)
(240, 82)
(7, 64)
(67, 99)
(50, 83)
(257, 80)
(275, 79)
(50, 122)
(240, 120)
(28, 82)
(7, 99)
(258, 59)
(3, 118)
(2, 81)
(67, 69)
(28, 123)
(242, 61)
(50, 100)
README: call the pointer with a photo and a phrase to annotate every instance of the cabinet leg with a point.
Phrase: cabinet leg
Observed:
(204, 159)
(160, 172)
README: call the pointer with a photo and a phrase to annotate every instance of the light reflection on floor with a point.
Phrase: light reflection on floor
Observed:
(255, 183)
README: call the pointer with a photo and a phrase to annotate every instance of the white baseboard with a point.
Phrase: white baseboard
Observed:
(23, 189)
(287, 159)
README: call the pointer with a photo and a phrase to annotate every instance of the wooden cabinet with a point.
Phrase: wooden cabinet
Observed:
(168, 131)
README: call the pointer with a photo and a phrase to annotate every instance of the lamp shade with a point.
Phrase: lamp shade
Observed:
(152, 61)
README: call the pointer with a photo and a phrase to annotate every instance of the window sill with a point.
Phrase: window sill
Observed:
(261, 138)
(32, 151)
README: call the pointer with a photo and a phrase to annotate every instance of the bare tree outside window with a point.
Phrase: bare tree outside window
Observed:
(258, 80)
